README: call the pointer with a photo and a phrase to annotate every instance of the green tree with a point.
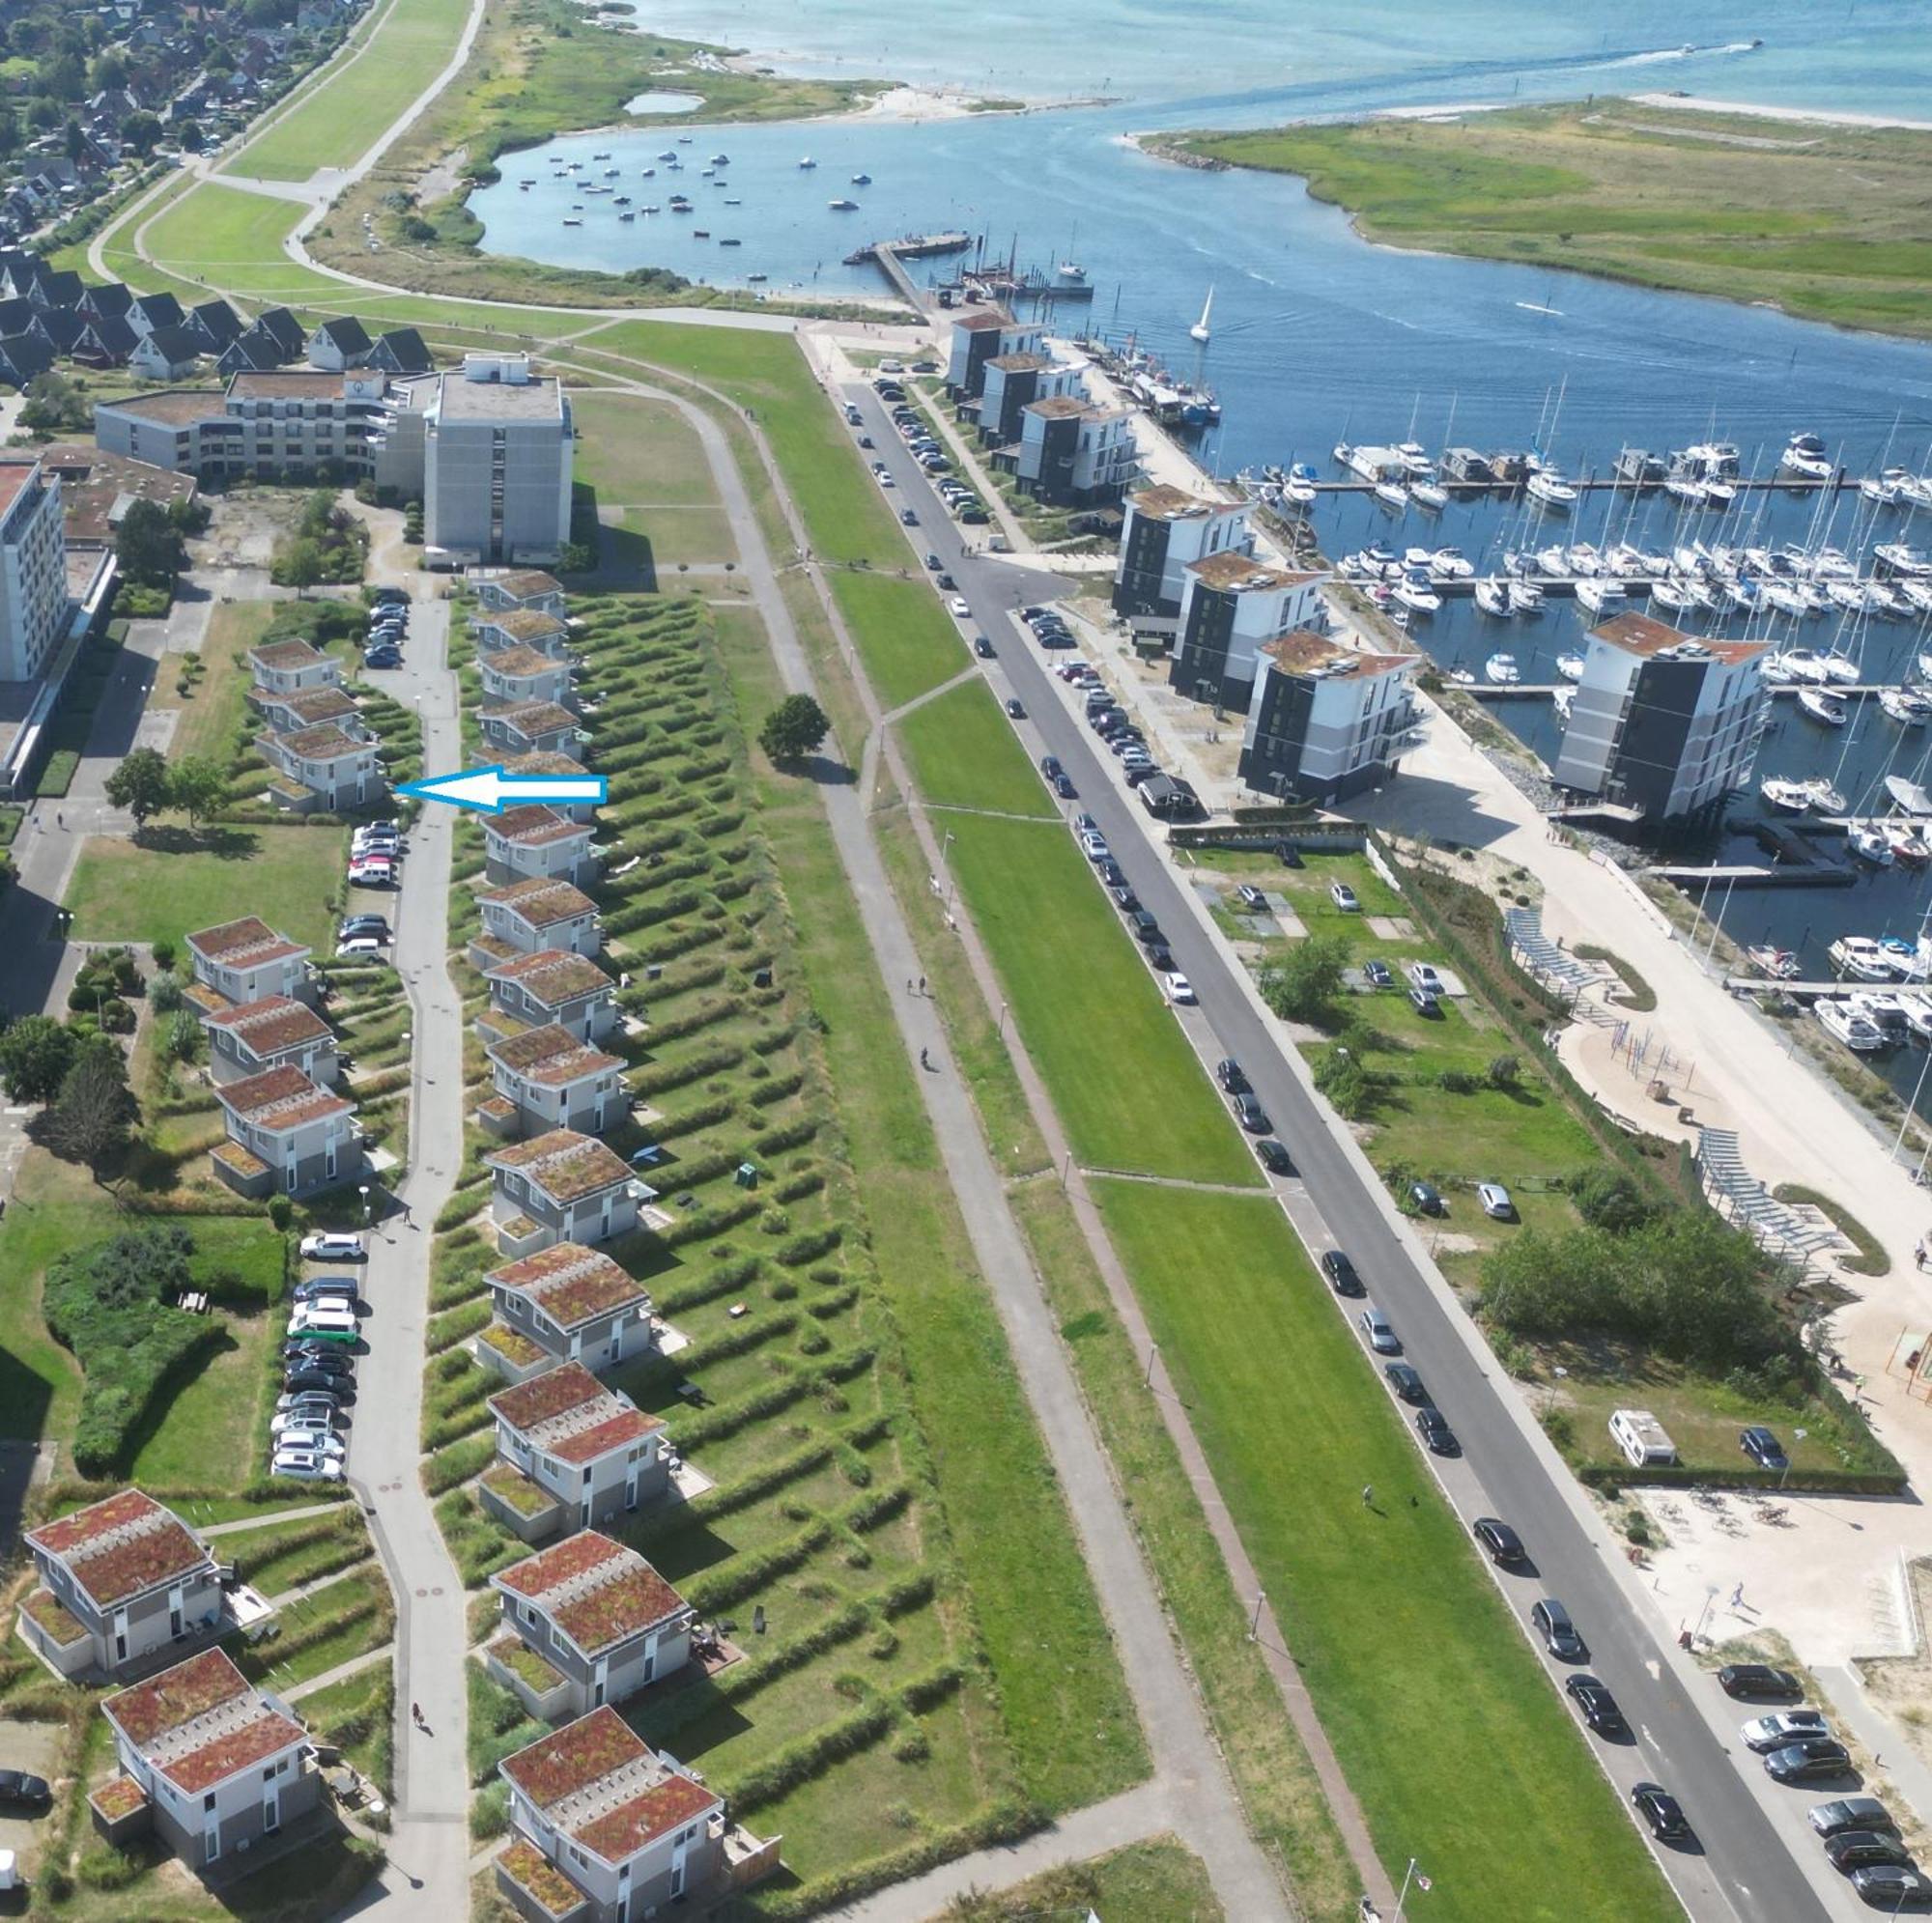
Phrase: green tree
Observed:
(73, 141)
(147, 545)
(94, 1109)
(142, 784)
(301, 566)
(184, 1035)
(1504, 1071)
(43, 112)
(197, 786)
(53, 404)
(188, 136)
(9, 132)
(1302, 986)
(109, 71)
(35, 1055)
(1608, 1197)
(142, 132)
(794, 729)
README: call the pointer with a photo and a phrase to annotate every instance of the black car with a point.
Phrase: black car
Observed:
(1859, 1848)
(328, 1357)
(1232, 1077)
(1758, 1678)
(1597, 1706)
(20, 1790)
(1111, 873)
(1124, 898)
(1893, 1886)
(1800, 1762)
(1833, 1818)
(389, 594)
(383, 658)
(1287, 853)
(945, 584)
(328, 1288)
(982, 647)
(1273, 1157)
(1558, 1633)
(1250, 1113)
(1763, 1447)
(1064, 787)
(1433, 1426)
(1340, 1273)
(356, 925)
(304, 1380)
(1406, 1380)
(1049, 766)
(1146, 929)
(1145, 771)
(1424, 1003)
(1504, 1546)
(1377, 973)
(1660, 1809)
(1161, 958)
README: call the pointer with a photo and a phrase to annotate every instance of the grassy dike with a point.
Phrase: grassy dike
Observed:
(1831, 223)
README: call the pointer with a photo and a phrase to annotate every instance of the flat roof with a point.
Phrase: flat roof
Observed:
(180, 407)
(530, 719)
(293, 653)
(1641, 634)
(1161, 503)
(291, 384)
(1302, 651)
(540, 399)
(526, 583)
(311, 706)
(522, 624)
(324, 742)
(1229, 570)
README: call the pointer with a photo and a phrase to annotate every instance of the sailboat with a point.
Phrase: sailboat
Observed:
(1200, 330)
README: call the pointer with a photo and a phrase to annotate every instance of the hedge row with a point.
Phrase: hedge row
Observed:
(456, 1463)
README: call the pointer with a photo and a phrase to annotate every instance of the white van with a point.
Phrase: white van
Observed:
(1645, 1442)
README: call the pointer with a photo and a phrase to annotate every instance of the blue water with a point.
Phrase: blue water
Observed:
(1318, 336)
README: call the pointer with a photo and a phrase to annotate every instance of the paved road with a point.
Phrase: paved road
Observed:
(1743, 1868)
(429, 1852)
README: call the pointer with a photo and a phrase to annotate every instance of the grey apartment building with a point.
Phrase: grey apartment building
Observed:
(496, 452)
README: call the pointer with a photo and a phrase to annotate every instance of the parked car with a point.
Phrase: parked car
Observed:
(1503, 1544)
(330, 1402)
(383, 658)
(1250, 1113)
(1178, 989)
(1405, 1381)
(1161, 958)
(982, 647)
(1849, 1813)
(1426, 1198)
(1757, 1679)
(1496, 1201)
(957, 605)
(1015, 711)
(1287, 853)
(333, 1245)
(1377, 973)
(1064, 787)
(391, 596)
(1124, 898)
(1858, 1849)
(312, 1353)
(1112, 874)
(328, 1288)
(1424, 1004)
(1597, 1706)
(1802, 1762)
(20, 1790)
(358, 945)
(364, 924)
(1340, 1273)
(1423, 975)
(1344, 898)
(908, 518)
(1763, 1447)
(318, 1441)
(1379, 1331)
(1660, 1809)
(305, 1381)
(1559, 1635)
(1093, 845)
(1049, 766)
(304, 1412)
(1252, 898)
(304, 1466)
(1232, 1076)
(1433, 1426)
(1783, 1727)
(372, 874)
(1891, 1886)
(1273, 1157)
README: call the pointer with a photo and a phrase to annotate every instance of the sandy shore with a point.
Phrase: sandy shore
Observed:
(1817, 116)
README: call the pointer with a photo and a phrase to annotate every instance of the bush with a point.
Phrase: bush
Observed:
(281, 1211)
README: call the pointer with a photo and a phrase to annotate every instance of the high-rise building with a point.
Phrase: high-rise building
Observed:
(1161, 530)
(33, 609)
(1325, 721)
(496, 464)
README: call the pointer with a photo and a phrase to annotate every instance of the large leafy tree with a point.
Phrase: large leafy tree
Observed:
(197, 786)
(794, 729)
(94, 1109)
(142, 783)
(35, 1055)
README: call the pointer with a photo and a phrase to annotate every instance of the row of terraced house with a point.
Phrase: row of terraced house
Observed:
(606, 1826)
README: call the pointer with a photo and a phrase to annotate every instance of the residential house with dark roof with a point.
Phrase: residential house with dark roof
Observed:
(534, 840)
(339, 343)
(61, 328)
(277, 1032)
(110, 302)
(588, 1448)
(552, 986)
(566, 1304)
(24, 358)
(598, 1616)
(119, 1580)
(512, 676)
(166, 354)
(218, 1762)
(401, 351)
(148, 311)
(526, 915)
(16, 315)
(287, 1135)
(548, 1078)
(214, 325)
(247, 961)
(249, 353)
(284, 329)
(531, 727)
(561, 1187)
(106, 341)
(610, 1830)
(58, 286)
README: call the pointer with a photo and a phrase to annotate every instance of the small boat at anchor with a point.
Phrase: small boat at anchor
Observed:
(1787, 797)
(1826, 710)
(1492, 598)
(1570, 666)
(1780, 964)
(1840, 1021)
(1500, 670)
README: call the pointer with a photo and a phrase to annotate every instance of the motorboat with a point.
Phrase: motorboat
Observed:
(1844, 1023)
(1786, 797)
(862, 180)
(1570, 666)
(1492, 598)
(720, 159)
(1686, 489)
(1548, 486)
(842, 205)
(1825, 709)
(571, 220)
(1919, 1015)
(1870, 844)
(1907, 845)
(1804, 458)
(807, 163)
(1916, 595)
(1451, 564)
(1825, 798)
(1895, 557)
(1428, 491)
(1904, 705)
(1417, 595)
(1672, 594)
(1885, 1010)
(1526, 598)
(1863, 958)
(1565, 700)
(1391, 493)
(1780, 964)
(1501, 671)
(1600, 595)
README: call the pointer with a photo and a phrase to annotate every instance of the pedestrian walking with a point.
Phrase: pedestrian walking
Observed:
(1738, 1596)
(60, 820)
(925, 1059)
(416, 1714)
(1368, 1494)
(921, 984)
(1918, 1252)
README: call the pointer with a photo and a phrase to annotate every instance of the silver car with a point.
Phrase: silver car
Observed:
(1379, 1331)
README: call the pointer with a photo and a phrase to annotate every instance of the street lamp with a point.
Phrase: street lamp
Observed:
(363, 1192)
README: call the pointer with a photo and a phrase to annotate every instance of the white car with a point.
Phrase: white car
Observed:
(332, 1245)
(1425, 979)
(1496, 1201)
(1344, 898)
(325, 1317)
(1178, 989)
(316, 1441)
(1768, 1733)
(1093, 845)
(358, 945)
(957, 605)
(304, 1466)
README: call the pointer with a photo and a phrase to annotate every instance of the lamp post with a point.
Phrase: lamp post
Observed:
(1261, 1603)
(367, 1216)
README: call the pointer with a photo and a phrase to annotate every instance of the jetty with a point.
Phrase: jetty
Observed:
(890, 258)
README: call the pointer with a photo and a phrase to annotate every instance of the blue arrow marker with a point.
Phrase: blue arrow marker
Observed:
(490, 790)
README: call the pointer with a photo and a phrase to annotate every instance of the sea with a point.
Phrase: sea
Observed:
(1318, 337)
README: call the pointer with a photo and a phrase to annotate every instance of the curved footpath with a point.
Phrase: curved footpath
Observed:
(429, 1850)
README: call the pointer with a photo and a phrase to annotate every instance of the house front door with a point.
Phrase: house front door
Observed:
(272, 1809)
(211, 1835)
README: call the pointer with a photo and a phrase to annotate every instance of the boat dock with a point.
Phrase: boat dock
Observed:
(1797, 484)
(1543, 691)
(890, 256)
(1751, 874)
(1849, 985)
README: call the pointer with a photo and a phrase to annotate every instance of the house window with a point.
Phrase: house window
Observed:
(207, 1802)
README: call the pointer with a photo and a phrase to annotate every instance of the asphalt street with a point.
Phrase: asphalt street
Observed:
(1743, 1862)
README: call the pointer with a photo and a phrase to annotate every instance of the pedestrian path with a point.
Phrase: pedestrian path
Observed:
(341, 1672)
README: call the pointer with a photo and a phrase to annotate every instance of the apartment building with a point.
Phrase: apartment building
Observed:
(1162, 529)
(497, 466)
(1230, 604)
(1324, 720)
(35, 608)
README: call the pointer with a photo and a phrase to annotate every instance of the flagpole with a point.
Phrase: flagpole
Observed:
(1402, 1897)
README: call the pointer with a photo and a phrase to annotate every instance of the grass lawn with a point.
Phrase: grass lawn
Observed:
(964, 754)
(122, 892)
(680, 534)
(227, 238)
(631, 449)
(54, 1207)
(1395, 1627)
(212, 712)
(1827, 222)
(201, 1433)
(1127, 1087)
(347, 1618)
(337, 123)
(906, 638)
(1160, 1878)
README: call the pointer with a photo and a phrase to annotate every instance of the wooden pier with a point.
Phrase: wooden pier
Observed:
(1751, 874)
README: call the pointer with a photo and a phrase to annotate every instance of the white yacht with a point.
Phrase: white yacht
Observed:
(1600, 595)
(1887, 488)
(1805, 457)
(1862, 958)
(1565, 699)
(1391, 493)
(1913, 563)
(1570, 666)
(1840, 1021)
(1451, 564)
(1501, 671)
(1494, 598)
(1426, 491)
(1548, 486)
(1670, 594)
(1417, 595)
(1825, 798)
(1784, 796)
(1526, 598)
(1904, 705)
(1826, 709)
(1870, 844)
(1840, 670)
